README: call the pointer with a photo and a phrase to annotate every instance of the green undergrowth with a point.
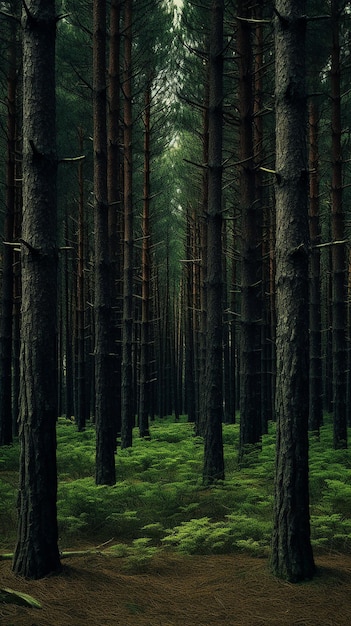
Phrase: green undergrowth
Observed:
(159, 501)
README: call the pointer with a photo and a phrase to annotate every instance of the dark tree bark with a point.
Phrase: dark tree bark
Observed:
(127, 415)
(144, 383)
(292, 556)
(105, 431)
(36, 554)
(213, 454)
(315, 389)
(65, 343)
(81, 410)
(339, 288)
(263, 222)
(251, 283)
(16, 316)
(200, 273)
(227, 382)
(114, 192)
(190, 389)
(6, 421)
(233, 327)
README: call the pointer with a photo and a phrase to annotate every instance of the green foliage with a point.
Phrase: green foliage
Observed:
(159, 501)
(331, 532)
(203, 536)
(138, 555)
(8, 517)
(9, 458)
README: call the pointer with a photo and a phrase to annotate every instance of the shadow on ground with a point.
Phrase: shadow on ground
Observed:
(236, 590)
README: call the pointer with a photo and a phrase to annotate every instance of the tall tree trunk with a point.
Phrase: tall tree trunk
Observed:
(190, 390)
(81, 411)
(328, 357)
(262, 212)
(227, 383)
(144, 399)
(105, 431)
(8, 252)
(127, 325)
(16, 317)
(36, 554)
(251, 309)
(315, 362)
(292, 556)
(65, 348)
(200, 272)
(114, 192)
(233, 327)
(213, 453)
(339, 307)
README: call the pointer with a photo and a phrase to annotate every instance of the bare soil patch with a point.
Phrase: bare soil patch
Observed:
(236, 590)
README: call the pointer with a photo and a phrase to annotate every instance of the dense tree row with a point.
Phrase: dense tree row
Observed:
(190, 279)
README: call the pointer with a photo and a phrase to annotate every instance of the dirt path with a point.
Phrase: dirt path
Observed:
(232, 590)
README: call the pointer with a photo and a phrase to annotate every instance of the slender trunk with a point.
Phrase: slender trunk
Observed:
(114, 192)
(144, 399)
(233, 329)
(81, 411)
(213, 453)
(251, 310)
(16, 323)
(127, 325)
(105, 431)
(200, 251)
(190, 401)
(66, 343)
(8, 253)
(339, 309)
(315, 362)
(262, 217)
(328, 357)
(226, 343)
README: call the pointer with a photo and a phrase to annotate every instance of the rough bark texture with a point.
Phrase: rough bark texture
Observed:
(316, 386)
(200, 273)
(81, 404)
(144, 389)
(292, 557)
(251, 301)
(339, 291)
(127, 415)
(36, 553)
(105, 431)
(7, 261)
(213, 454)
(190, 389)
(114, 192)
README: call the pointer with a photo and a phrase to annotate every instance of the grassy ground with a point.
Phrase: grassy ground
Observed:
(159, 502)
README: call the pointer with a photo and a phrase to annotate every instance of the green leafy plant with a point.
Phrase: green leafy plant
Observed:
(159, 498)
(137, 556)
(203, 536)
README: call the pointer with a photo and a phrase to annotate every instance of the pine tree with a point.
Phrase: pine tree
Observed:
(292, 556)
(105, 431)
(213, 454)
(36, 553)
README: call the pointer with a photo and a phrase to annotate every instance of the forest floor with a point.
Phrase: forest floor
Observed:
(237, 590)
